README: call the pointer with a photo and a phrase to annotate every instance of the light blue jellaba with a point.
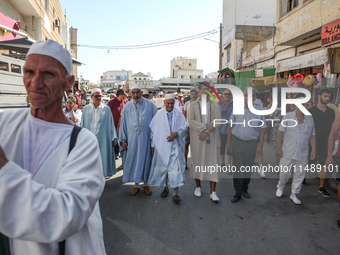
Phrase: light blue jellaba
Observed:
(134, 130)
(105, 134)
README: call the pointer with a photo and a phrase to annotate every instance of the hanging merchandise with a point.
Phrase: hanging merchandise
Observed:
(295, 80)
(318, 77)
(309, 80)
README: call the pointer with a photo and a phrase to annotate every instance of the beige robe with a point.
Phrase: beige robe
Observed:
(204, 154)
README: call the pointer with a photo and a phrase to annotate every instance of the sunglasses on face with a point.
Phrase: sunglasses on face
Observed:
(227, 94)
(98, 96)
(69, 103)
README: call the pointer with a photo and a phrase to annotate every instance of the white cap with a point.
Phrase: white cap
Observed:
(169, 96)
(95, 90)
(160, 93)
(54, 50)
(145, 91)
(135, 86)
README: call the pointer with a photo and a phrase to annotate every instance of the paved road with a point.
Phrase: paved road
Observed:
(262, 224)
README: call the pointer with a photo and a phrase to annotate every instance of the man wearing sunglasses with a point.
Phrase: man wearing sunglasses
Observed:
(242, 142)
(97, 118)
(226, 110)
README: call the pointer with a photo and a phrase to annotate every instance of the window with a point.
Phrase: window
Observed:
(139, 79)
(199, 77)
(189, 64)
(144, 79)
(228, 56)
(191, 76)
(288, 5)
(4, 66)
(182, 76)
(118, 77)
(47, 5)
(15, 68)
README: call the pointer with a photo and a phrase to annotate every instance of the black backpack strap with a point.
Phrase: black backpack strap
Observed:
(4, 245)
(73, 140)
(74, 135)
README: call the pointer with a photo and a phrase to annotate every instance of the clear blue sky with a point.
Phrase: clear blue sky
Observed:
(131, 22)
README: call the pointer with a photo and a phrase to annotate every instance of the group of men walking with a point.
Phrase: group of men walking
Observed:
(53, 170)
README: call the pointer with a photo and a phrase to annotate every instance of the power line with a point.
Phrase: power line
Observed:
(151, 45)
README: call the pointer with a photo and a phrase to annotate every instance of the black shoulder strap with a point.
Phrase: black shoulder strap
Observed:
(74, 135)
(4, 245)
(73, 140)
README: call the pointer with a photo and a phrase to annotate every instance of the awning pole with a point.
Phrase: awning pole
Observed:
(13, 30)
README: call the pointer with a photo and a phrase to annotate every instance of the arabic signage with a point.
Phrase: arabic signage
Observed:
(330, 33)
(4, 34)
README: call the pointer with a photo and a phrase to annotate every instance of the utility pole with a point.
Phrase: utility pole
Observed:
(220, 57)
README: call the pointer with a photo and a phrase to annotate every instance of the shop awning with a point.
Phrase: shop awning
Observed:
(281, 81)
(317, 58)
(262, 81)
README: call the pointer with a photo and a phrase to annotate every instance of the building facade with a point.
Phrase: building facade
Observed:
(185, 68)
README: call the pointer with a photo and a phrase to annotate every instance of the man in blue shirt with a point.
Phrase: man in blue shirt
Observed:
(243, 134)
(226, 110)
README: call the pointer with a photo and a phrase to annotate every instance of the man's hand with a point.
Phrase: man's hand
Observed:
(210, 127)
(279, 152)
(202, 135)
(313, 155)
(329, 161)
(3, 159)
(152, 151)
(125, 146)
(171, 137)
(258, 151)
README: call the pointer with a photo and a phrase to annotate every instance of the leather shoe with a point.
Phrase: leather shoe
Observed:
(134, 191)
(164, 193)
(176, 198)
(235, 199)
(147, 190)
(245, 194)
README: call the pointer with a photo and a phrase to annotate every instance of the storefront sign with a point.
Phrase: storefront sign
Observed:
(330, 33)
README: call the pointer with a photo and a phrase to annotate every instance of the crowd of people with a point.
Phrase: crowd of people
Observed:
(54, 161)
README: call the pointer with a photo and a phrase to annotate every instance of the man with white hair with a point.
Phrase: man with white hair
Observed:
(294, 152)
(134, 136)
(97, 118)
(50, 169)
(168, 162)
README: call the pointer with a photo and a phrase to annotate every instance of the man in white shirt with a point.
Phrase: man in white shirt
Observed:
(294, 153)
(48, 193)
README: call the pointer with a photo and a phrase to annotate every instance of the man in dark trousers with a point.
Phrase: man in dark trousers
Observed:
(323, 119)
(116, 105)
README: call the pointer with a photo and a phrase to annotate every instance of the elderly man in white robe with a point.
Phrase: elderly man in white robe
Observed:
(168, 162)
(97, 118)
(49, 191)
(134, 135)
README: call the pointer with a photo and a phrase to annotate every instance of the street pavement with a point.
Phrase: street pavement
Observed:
(262, 224)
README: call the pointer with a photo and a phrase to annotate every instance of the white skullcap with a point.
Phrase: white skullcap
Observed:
(135, 86)
(145, 91)
(54, 50)
(95, 90)
(169, 96)
(160, 93)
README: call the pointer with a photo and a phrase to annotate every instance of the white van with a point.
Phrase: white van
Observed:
(12, 89)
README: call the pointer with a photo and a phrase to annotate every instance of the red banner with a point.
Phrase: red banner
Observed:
(330, 33)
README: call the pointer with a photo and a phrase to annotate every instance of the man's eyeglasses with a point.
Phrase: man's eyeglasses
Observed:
(69, 103)
(98, 96)
(227, 94)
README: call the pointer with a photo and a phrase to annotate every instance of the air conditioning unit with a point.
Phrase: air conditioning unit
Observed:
(57, 23)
